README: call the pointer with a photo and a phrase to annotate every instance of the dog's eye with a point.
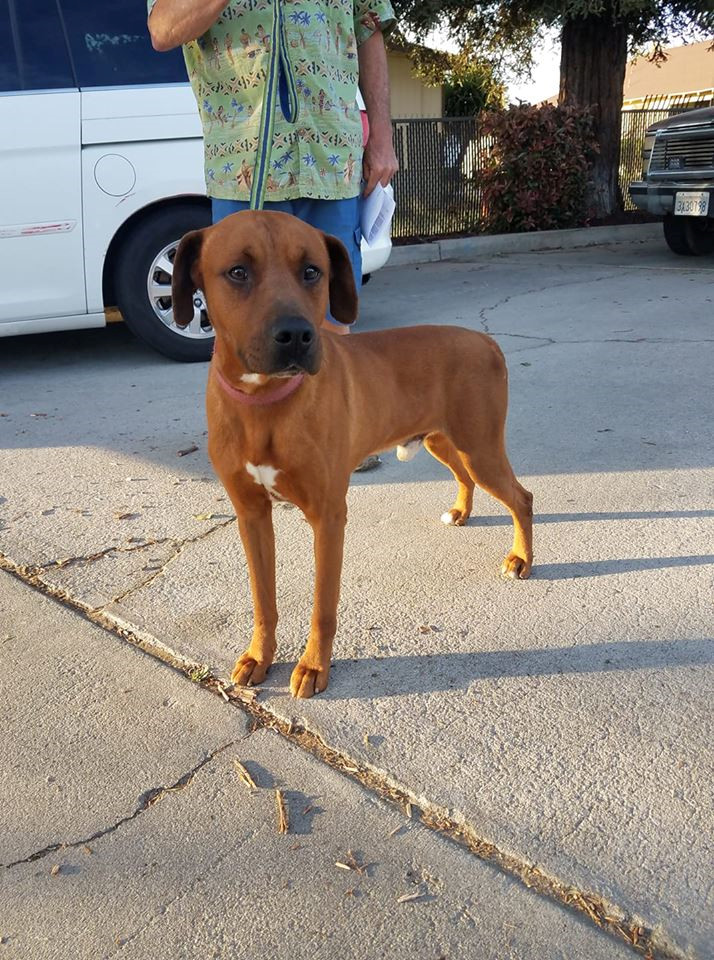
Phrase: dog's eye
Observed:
(311, 274)
(239, 274)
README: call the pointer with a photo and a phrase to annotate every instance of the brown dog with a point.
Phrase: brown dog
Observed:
(292, 409)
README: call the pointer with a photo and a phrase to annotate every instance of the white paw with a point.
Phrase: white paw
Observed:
(448, 519)
(408, 451)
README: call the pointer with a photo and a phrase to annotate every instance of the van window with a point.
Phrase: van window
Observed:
(37, 57)
(110, 45)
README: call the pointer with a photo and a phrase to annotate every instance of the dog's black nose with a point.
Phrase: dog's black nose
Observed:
(296, 332)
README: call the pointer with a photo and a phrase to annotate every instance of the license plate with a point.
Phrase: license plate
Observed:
(691, 204)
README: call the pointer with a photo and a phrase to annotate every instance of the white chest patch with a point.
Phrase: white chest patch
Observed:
(409, 450)
(265, 476)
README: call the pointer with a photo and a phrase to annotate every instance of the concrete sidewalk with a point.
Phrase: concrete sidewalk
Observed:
(473, 248)
(133, 835)
(567, 720)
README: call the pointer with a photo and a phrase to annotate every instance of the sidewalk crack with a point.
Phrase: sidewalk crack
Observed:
(147, 799)
(179, 546)
(524, 293)
(162, 910)
(615, 920)
(545, 341)
(64, 562)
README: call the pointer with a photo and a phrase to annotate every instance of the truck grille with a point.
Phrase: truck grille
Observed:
(683, 153)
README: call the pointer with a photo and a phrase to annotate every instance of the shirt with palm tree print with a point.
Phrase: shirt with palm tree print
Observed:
(319, 156)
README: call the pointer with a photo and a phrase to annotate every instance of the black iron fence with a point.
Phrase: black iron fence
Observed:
(437, 188)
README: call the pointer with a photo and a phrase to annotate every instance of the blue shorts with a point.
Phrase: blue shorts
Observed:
(341, 218)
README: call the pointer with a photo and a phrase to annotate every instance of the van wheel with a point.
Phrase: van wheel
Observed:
(688, 236)
(142, 280)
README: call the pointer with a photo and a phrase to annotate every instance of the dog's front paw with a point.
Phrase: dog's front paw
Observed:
(249, 671)
(515, 567)
(306, 680)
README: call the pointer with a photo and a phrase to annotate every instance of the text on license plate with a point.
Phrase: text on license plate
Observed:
(693, 203)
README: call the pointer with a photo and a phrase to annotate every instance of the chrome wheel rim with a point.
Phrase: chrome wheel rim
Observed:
(158, 286)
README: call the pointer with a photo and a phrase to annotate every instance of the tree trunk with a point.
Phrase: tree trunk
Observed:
(592, 74)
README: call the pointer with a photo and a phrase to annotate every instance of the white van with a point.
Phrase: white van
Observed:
(101, 173)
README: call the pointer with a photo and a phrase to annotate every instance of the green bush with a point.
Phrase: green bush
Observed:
(536, 174)
(471, 85)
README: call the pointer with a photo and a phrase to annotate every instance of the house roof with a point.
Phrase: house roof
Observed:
(686, 69)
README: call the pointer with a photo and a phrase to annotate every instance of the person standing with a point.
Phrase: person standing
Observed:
(276, 84)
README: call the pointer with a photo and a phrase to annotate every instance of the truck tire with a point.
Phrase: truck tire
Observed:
(142, 281)
(676, 236)
(688, 236)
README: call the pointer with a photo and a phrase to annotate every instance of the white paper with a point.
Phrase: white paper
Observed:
(377, 212)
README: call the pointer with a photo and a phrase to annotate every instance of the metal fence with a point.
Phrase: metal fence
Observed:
(436, 187)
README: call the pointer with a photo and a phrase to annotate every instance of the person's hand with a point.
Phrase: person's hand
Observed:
(379, 163)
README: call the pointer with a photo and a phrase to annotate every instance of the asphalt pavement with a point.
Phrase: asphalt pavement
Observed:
(563, 724)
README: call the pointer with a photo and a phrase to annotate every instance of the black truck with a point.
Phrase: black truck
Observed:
(678, 180)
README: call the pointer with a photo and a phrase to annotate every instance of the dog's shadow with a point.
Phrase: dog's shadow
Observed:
(502, 520)
(373, 678)
(611, 567)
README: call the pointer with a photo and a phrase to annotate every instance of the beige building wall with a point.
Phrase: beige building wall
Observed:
(686, 78)
(411, 97)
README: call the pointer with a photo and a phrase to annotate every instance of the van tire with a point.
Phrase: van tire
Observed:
(135, 257)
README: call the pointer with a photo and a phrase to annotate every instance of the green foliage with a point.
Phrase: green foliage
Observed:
(597, 34)
(471, 86)
(199, 673)
(536, 175)
(470, 82)
(506, 29)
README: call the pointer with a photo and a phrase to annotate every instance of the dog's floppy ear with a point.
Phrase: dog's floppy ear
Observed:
(185, 280)
(343, 293)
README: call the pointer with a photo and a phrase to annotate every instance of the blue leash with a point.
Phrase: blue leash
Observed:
(279, 85)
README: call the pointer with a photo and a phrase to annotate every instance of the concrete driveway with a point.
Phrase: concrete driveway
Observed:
(560, 727)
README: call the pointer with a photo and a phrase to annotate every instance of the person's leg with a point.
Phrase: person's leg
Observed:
(341, 219)
(221, 209)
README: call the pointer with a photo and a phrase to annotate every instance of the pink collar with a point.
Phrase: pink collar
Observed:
(262, 399)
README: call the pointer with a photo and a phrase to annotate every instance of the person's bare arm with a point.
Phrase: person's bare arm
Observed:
(380, 161)
(174, 22)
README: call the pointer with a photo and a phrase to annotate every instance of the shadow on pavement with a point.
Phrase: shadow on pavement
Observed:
(112, 346)
(604, 568)
(372, 677)
(505, 521)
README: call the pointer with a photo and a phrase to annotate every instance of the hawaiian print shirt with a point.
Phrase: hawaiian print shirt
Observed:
(319, 156)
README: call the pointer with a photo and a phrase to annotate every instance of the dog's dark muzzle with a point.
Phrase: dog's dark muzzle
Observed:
(293, 346)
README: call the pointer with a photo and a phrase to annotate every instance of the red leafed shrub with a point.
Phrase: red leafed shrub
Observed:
(536, 174)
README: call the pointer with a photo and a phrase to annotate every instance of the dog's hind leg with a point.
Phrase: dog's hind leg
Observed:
(443, 450)
(491, 470)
